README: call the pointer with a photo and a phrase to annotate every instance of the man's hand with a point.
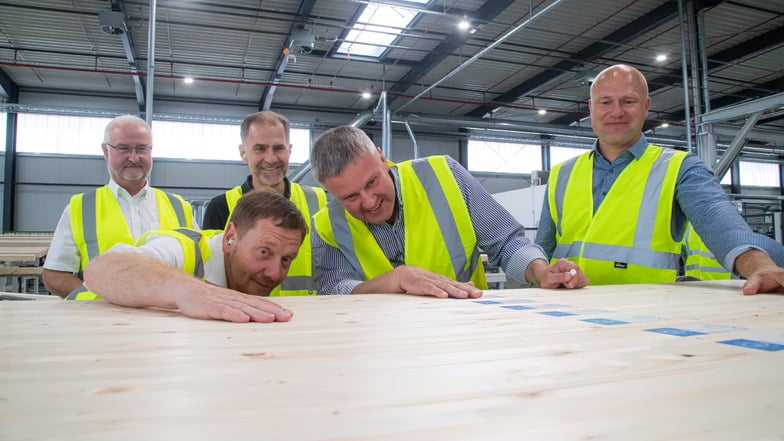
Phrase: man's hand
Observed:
(761, 273)
(415, 280)
(418, 281)
(563, 273)
(768, 280)
(225, 304)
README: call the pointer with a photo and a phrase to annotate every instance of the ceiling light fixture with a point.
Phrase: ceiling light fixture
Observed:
(542, 111)
(188, 80)
(661, 57)
(463, 25)
(366, 95)
(665, 125)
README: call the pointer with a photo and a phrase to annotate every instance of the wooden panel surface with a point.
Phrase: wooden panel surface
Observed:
(395, 367)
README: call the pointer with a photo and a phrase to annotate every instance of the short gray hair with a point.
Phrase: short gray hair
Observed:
(123, 119)
(336, 148)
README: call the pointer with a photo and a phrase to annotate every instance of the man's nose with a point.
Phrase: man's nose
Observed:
(269, 156)
(368, 200)
(616, 108)
(275, 271)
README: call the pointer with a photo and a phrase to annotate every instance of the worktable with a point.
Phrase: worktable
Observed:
(692, 360)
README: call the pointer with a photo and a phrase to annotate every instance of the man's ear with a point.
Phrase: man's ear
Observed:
(243, 154)
(229, 237)
(381, 155)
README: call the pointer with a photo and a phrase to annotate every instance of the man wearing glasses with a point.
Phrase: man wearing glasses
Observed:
(119, 212)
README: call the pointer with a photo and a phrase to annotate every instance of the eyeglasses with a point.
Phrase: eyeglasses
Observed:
(141, 149)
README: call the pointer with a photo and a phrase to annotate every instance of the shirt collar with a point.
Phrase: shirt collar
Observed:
(118, 191)
(637, 149)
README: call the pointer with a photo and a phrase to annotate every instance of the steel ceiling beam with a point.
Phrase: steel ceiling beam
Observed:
(757, 91)
(304, 10)
(648, 22)
(487, 12)
(130, 55)
(754, 45)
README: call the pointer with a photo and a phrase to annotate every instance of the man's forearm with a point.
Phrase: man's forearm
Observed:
(135, 279)
(60, 283)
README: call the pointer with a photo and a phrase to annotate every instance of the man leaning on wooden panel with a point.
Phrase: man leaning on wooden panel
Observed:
(208, 274)
(620, 210)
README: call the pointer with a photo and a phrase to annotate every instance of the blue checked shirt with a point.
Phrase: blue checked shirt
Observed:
(698, 198)
(497, 233)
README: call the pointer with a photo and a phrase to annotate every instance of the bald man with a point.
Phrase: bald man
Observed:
(620, 210)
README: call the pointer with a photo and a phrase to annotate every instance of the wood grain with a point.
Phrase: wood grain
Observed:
(397, 367)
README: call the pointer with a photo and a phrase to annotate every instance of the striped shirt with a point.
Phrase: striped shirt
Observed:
(497, 233)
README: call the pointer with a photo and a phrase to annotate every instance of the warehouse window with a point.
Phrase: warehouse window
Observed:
(561, 154)
(377, 27)
(503, 157)
(79, 135)
(727, 179)
(73, 135)
(759, 174)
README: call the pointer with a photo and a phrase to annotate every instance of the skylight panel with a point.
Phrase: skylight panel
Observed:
(376, 29)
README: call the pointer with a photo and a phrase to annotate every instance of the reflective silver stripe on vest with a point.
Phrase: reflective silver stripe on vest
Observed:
(639, 253)
(642, 257)
(337, 216)
(89, 228)
(195, 236)
(617, 253)
(312, 200)
(303, 283)
(705, 269)
(73, 294)
(646, 219)
(178, 208)
(707, 254)
(564, 250)
(294, 283)
(560, 191)
(446, 219)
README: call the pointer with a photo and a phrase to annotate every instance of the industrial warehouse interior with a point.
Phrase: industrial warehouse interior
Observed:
(503, 88)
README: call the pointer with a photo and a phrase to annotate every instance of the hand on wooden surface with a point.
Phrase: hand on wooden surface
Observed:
(561, 274)
(418, 281)
(224, 304)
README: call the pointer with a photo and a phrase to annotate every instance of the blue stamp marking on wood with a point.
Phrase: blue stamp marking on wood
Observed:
(556, 313)
(754, 344)
(606, 322)
(487, 302)
(517, 307)
(676, 331)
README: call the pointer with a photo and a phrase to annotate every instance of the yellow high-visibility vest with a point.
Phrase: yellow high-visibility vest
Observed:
(700, 261)
(97, 221)
(438, 233)
(309, 200)
(629, 238)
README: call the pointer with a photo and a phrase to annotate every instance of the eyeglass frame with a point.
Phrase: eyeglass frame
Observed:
(128, 150)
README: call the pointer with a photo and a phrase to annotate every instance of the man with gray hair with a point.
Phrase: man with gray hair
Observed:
(120, 211)
(415, 227)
